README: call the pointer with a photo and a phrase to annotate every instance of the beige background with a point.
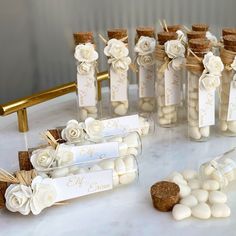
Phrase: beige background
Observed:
(36, 35)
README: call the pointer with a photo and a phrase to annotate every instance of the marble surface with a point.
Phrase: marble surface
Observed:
(125, 210)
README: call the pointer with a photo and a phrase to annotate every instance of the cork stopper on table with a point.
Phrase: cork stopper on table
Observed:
(199, 45)
(83, 37)
(174, 28)
(200, 27)
(166, 36)
(165, 195)
(196, 35)
(228, 31)
(230, 42)
(117, 33)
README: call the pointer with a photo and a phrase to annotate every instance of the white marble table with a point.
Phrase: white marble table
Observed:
(123, 211)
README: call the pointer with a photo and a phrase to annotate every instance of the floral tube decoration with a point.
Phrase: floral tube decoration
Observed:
(170, 56)
(204, 72)
(32, 191)
(227, 111)
(119, 61)
(144, 47)
(86, 58)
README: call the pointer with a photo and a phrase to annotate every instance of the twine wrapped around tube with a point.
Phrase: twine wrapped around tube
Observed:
(194, 65)
(227, 56)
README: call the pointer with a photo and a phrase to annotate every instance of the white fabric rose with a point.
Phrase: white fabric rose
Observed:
(210, 82)
(73, 133)
(17, 198)
(120, 65)
(85, 53)
(233, 65)
(44, 194)
(176, 64)
(64, 156)
(211, 37)
(94, 128)
(182, 36)
(145, 60)
(42, 159)
(145, 45)
(213, 64)
(174, 49)
(116, 48)
(84, 68)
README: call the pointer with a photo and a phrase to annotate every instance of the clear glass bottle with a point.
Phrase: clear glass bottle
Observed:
(221, 168)
(144, 47)
(117, 52)
(168, 93)
(196, 131)
(227, 104)
(86, 57)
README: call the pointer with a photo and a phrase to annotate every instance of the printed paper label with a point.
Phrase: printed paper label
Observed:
(146, 82)
(92, 152)
(86, 90)
(83, 184)
(120, 125)
(118, 86)
(232, 102)
(172, 87)
(206, 107)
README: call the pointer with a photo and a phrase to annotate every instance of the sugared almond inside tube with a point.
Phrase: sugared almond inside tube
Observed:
(200, 27)
(83, 37)
(165, 195)
(166, 36)
(117, 33)
(196, 35)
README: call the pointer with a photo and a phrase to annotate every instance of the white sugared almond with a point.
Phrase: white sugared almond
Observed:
(181, 212)
(217, 197)
(201, 211)
(194, 184)
(189, 174)
(184, 190)
(200, 194)
(189, 201)
(220, 210)
(210, 185)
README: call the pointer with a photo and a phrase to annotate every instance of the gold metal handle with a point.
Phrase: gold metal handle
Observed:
(20, 105)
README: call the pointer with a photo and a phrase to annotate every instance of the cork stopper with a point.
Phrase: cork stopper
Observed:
(166, 36)
(200, 27)
(24, 160)
(165, 195)
(3, 187)
(229, 40)
(173, 28)
(117, 33)
(199, 45)
(145, 31)
(196, 35)
(228, 31)
(56, 133)
(83, 37)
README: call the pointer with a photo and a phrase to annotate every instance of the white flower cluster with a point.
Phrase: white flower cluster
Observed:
(86, 56)
(145, 48)
(25, 199)
(117, 52)
(213, 68)
(175, 50)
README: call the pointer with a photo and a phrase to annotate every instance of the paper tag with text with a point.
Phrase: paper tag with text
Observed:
(172, 87)
(118, 86)
(231, 115)
(120, 125)
(86, 89)
(83, 184)
(146, 82)
(206, 107)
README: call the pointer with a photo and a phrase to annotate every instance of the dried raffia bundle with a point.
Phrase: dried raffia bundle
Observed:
(144, 47)
(119, 61)
(204, 71)
(170, 53)
(227, 114)
(86, 58)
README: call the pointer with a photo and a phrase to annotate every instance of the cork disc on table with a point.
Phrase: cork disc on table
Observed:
(165, 195)
(200, 27)
(117, 33)
(83, 37)
(166, 36)
(199, 45)
(196, 35)
(228, 31)
(229, 40)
